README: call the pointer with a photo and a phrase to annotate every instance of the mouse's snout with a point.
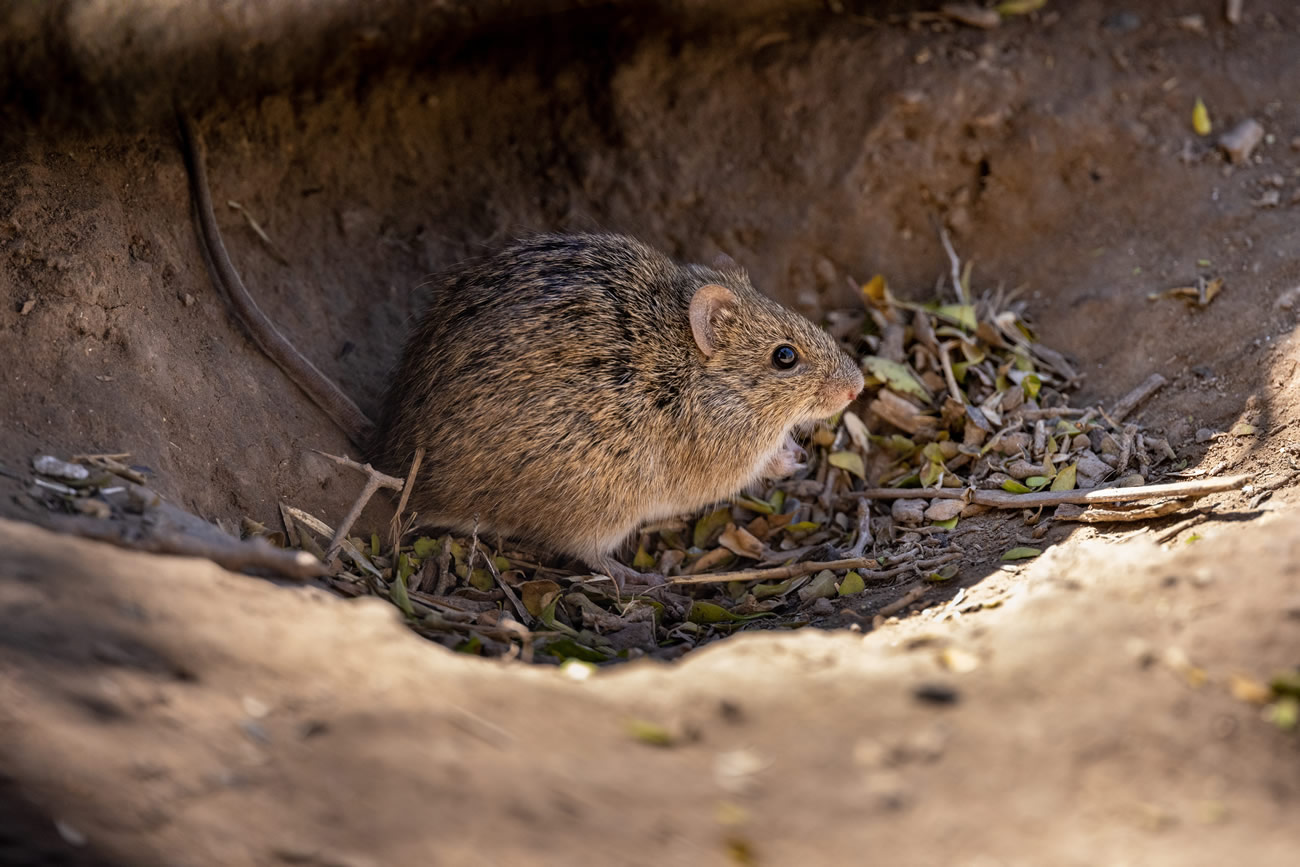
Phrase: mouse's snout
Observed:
(843, 386)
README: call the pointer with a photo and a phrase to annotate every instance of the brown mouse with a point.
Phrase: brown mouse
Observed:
(570, 388)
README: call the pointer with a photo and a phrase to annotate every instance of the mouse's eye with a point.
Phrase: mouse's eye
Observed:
(784, 357)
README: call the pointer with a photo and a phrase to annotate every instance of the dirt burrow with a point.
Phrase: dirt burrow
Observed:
(169, 712)
(814, 147)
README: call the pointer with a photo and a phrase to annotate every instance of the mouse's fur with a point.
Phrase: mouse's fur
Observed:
(570, 388)
(563, 396)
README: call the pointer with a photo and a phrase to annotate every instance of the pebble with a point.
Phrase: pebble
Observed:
(48, 465)
(1240, 142)
(908, 511)
(1204, 435)
(943, 510)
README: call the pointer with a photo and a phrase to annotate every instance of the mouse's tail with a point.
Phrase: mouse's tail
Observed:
(322, 390)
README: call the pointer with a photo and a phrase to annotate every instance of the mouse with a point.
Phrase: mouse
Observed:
(568, 389)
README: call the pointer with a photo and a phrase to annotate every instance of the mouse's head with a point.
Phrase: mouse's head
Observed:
(790, 371)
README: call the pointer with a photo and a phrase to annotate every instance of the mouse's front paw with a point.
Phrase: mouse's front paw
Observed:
(787, 461)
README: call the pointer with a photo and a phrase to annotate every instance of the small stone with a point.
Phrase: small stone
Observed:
(1091, 467)
(188, 300)
(1240, 142)
(27, 307)
(1192, 23)
(1204, 435)
(908, 511)
(1269, 199)
(944, 510)
(822, 608)
(1022, 470)
(1295, 143)
(48, 465)
(1014, 444)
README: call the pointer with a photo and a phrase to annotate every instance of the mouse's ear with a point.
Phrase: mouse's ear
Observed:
(723, 262)
(710, 305)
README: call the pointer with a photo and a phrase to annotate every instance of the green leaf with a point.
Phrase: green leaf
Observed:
(895, 375)
(754, 504)
(1021, 553)
(1019, 7)
(1037, 482)
(472, 646)
(1286, 683)
(426, 547)
(852, 584)
(707, 612)
(767, 591)
(1011, 486)
(643, 560)
(397, 592)
(944, 574)
(710, 526)
(959, 314)
(948, 524)
(374, 545)
(803, 527)
(1066, 478)
(778, 501)
(1031, 385)
(567, 648)
(850, 462)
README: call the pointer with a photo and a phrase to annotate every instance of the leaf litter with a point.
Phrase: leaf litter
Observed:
(964, 410)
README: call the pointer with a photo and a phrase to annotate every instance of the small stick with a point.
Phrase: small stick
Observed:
(395, 526)
(956, 265)
(1095, 515)
(907, 599)
(374, 481)
(1130, 401)
(1050, 412)
(794, 570)
(525, 618)
(1172, 532)
(1006, 500)
(948, 375)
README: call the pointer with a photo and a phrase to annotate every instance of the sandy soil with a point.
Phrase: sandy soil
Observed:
(161, 711)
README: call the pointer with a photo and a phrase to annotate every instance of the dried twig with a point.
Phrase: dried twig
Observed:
(1005, 500)
(794, 570)
(1095, 515)
(1172, 532)
(955, 263)
(395, 526)
(374, 481)
(1130, 401)
(905, 600)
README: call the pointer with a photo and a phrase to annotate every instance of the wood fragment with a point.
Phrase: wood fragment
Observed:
(905, 600)
(168, 529)
(374, 481)
(1173, 532)
(1130, 401)
(955, 263)
(1097, 515)
(1005, 500)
